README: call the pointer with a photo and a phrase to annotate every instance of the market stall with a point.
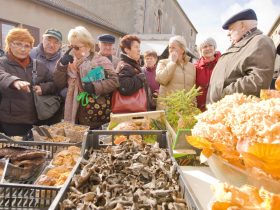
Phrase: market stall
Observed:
(141, 161)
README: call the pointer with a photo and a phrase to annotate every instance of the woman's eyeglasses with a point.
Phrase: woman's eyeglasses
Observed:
(21, 45)
(76, 47)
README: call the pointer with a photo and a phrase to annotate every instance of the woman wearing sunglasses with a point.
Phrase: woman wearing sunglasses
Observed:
(90, 79)
(17, 109)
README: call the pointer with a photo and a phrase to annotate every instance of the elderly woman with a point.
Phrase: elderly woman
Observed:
(129, 70)
(133, 91)
(150, 61)
(176, 72)
(17, 109)
(204, 67)
(90, 79)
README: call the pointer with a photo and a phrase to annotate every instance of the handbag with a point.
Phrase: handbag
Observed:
(46, 105)
(94, 110)
(137, 102)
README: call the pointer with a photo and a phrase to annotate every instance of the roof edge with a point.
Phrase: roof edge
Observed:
(274, 25)
(176, 2)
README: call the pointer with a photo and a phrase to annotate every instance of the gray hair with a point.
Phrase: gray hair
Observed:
(180, 40)
(249, 24)
(209, 41)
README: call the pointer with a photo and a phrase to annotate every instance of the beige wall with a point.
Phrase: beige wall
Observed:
(275, 36)
(140, 16)
(173, 21)
(33, 14)
(117, 12)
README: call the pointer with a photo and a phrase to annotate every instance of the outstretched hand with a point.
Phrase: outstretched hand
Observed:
(22, 85)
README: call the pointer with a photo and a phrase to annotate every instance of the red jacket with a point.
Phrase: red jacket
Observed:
(203, 74)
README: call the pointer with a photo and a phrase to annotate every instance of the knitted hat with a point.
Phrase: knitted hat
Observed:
(179, 39)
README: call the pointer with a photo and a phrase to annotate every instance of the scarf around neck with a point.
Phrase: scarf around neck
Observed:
(22, 62)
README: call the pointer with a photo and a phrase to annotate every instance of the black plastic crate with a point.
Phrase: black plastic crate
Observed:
(26, 196)
(52, 147)
(23, 194)
(93, 141)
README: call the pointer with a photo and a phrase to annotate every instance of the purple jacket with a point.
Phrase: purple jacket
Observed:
(150, 76)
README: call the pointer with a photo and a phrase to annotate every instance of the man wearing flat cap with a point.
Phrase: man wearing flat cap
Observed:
(106, 45)
(49, 52)
(247, 66)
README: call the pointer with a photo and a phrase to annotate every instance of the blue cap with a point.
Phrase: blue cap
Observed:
(106, 38)
(247, 14)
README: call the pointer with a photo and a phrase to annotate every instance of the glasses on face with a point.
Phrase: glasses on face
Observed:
(76, 47)
(21, 45)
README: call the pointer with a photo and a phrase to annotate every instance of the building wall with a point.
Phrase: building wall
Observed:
(274, 32)
(33, 14)
(144, 17)
(117, 12)
(275, 36)
(165, 17)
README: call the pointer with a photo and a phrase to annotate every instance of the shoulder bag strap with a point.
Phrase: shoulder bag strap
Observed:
(34, 72)
(146, 88)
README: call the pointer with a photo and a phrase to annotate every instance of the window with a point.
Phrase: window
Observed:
(35, 32)
(5, 26)
(159, 20)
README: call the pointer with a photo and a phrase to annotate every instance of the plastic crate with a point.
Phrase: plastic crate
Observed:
(93, 142)
(52, 147)
(25, 195)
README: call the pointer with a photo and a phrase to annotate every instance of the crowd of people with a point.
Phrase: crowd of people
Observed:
(85, 79)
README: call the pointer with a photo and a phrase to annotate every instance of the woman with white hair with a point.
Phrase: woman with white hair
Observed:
(204, 67)
(90, 79)
(176, 72)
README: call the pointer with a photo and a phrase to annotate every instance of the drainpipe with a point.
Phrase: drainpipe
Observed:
(144, 17)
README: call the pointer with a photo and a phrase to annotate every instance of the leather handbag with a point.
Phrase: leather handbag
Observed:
(46, 105)
(137, 102)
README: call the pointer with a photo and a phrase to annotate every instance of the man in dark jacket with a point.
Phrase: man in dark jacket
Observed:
(247, 66)
(106, 45)
(49, 52)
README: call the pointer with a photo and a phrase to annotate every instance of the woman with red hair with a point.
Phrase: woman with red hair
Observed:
(129, 70)
(17, 108)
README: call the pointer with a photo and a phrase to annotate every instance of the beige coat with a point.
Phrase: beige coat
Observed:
(245, 68)
(173, 76)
